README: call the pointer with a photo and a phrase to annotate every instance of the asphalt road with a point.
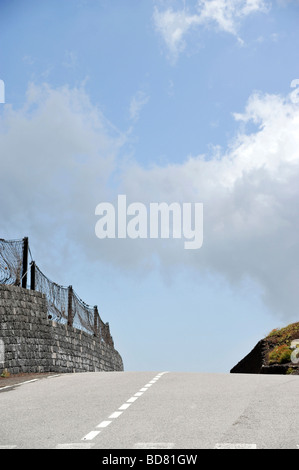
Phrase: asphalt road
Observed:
(151, 410)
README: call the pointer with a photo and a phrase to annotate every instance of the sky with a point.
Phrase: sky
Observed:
(193, 101)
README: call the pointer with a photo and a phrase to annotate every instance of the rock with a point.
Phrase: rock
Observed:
(5, 373)
(272, 354)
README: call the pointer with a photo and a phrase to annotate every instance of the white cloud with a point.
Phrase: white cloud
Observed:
(139, 100)
(59, 156)
(173, 25)
(57, 153)
(228, 13)
(251, 204)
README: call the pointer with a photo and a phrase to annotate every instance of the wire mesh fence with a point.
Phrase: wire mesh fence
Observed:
(82, 314)
(63, 303)
(56, 295)
(11, 262)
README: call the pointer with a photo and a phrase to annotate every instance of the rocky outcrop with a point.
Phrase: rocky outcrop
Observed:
(253, 362)
(273, 354)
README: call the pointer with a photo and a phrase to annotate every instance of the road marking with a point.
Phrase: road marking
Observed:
(76, 445)
(104, 424)
(132, 399)
(228, 445)
(91, 435)
(17, 385)
(115, 415)
(27, 382)
(154, 445)
(7, 447)
(123, 407)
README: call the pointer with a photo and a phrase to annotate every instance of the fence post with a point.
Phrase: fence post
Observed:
(25, 262)
(32, 275)
(95, 320)
(107, 333)
(69, 306)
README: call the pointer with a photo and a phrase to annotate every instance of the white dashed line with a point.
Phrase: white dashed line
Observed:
(122, 408)
(132, 399)
(125, 406)
(76, 445)
(7, 447)
(91, 435)
(104, 424)
(115, 415)
(234, 446)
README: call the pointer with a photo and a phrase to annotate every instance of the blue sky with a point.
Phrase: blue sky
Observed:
(164, 101)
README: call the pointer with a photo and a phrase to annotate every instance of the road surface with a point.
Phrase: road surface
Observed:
(151, 410)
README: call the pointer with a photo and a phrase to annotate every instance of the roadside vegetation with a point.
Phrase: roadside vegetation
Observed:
(279, 341)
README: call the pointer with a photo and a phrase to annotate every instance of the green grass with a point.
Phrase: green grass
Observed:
(280, 354)
(286, 334)
(280, 340)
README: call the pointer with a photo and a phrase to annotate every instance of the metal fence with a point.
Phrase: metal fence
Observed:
(12, 254)
(64, 304)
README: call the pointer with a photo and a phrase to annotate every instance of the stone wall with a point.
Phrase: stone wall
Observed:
(33, 343)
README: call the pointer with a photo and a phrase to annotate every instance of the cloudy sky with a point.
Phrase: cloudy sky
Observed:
(193, 101)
